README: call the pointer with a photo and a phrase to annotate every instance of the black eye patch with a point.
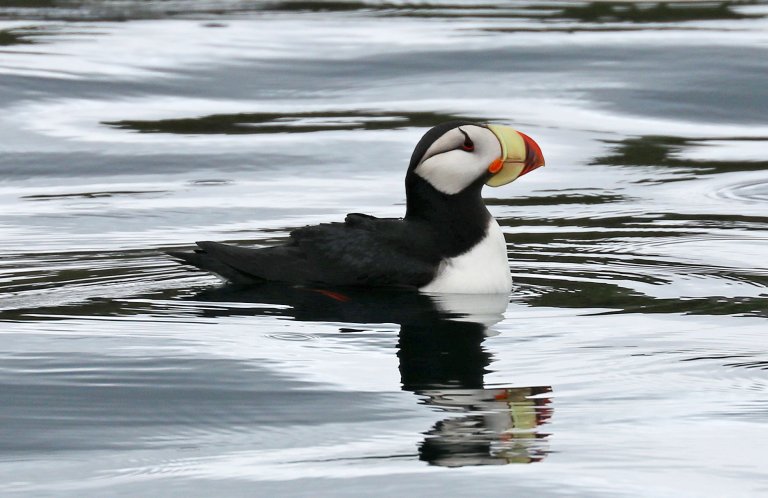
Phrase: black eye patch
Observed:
(468, 145)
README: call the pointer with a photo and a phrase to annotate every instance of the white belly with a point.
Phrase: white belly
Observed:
(481, 270)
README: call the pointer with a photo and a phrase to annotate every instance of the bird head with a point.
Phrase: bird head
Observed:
(452, 156)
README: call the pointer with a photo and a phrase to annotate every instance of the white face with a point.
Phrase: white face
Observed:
(450, 166)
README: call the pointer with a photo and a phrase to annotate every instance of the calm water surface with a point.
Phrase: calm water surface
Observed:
(630, 360)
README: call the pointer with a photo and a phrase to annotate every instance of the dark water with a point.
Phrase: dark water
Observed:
(630, 359)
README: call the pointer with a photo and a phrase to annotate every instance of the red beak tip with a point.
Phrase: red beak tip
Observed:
(533, 157)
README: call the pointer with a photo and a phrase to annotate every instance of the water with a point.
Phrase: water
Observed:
(630, 359)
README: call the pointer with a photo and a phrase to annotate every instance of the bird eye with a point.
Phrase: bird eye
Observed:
(468, 145)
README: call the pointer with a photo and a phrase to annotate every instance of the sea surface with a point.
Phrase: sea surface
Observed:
(631, 358)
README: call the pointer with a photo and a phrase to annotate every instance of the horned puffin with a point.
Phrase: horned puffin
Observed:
(447, 242)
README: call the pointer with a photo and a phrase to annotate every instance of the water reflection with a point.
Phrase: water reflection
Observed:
(442, 361)
(11, 37)
(593, 12)
(650, 12)
(662, 151)
(285, 122)
(501, 426)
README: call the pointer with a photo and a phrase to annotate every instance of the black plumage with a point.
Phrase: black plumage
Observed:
(365, 250)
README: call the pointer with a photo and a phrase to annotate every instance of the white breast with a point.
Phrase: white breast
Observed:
(481, 270)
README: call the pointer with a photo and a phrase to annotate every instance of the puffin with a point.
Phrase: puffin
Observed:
(447, 242)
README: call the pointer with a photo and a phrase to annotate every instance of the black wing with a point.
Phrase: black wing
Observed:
(363, 250)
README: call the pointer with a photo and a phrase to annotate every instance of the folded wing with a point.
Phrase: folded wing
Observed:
(363, 250)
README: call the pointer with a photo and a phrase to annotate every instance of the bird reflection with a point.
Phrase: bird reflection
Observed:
(442, 361)
(501, 427)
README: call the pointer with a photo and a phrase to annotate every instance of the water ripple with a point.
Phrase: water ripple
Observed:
(749, 192)
(632, 347)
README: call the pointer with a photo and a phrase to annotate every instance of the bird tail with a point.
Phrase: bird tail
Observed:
(200, 258)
